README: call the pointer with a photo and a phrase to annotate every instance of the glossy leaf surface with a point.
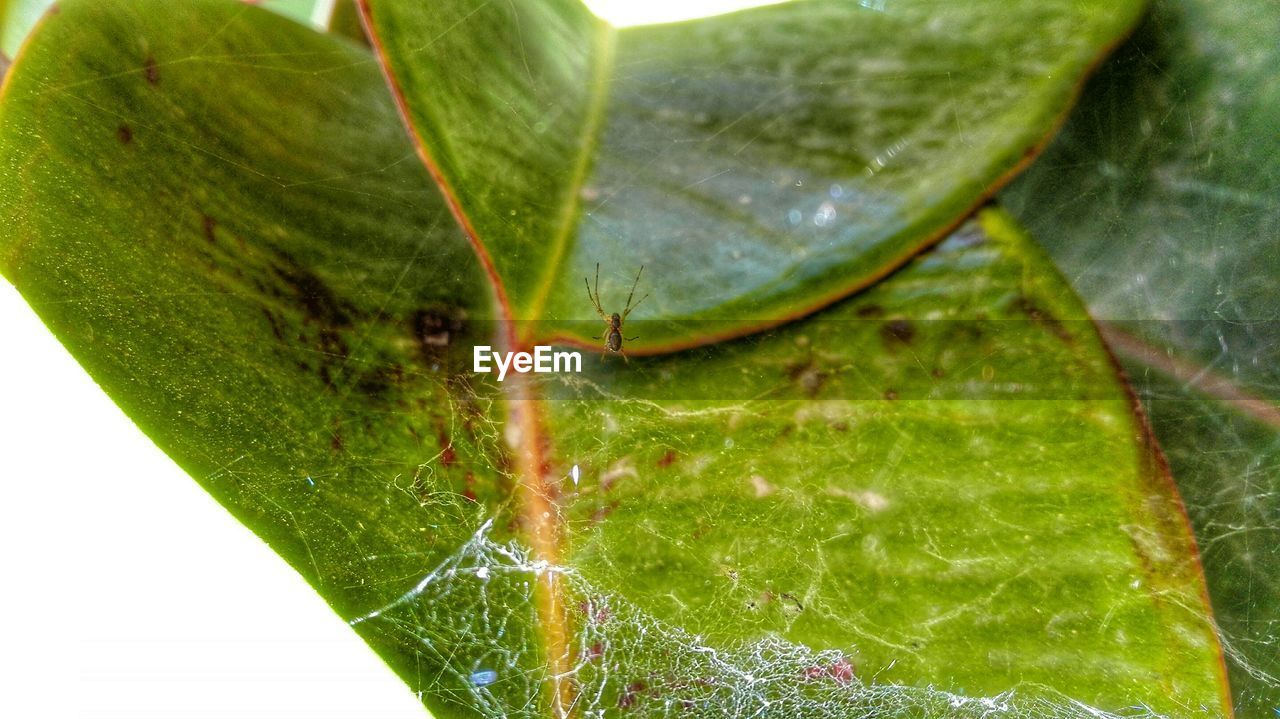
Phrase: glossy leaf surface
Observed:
(17, 17)
(796, 151)
(1160, 201)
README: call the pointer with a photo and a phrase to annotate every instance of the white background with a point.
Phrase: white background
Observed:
(128, 591)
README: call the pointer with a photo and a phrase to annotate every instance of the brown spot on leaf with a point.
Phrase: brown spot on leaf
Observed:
(808, 376)
(631, 695)
(596, 610)
(469, 487)
(899, 331)
(378, 382)
(274, 323)
(869, 311)
(1042, 317)
(209, 227)
(890, 395)
(332, 344)
(667, 458)
(603, 513)
(448, 457)
(841, 671)
(317, 300)
(151, 71)
(124, 134)
(435, 327)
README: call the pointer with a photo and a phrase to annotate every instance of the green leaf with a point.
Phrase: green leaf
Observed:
(1159, 201)
(204, 254)
(18, 17)
(930, 500)
(345, 20)
(797, 152)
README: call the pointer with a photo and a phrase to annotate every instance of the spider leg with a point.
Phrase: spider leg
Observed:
(632, 307)
(631, 294)
(633, 338)
(595, 299)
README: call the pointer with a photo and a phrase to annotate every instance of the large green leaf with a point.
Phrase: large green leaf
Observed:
(758, 164)
(207, 219)
(932, 499)
(17, 17)
(1160, 201)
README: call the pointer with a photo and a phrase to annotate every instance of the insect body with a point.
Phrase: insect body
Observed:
(613, 333)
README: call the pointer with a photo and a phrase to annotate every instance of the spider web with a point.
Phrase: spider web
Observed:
(626, 659)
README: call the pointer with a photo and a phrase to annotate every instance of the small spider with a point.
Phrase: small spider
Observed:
(613, 335)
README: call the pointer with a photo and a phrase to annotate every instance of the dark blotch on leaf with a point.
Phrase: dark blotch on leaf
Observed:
(869, 311)
(1042, 317)
(318, 302)
(209, 227)
(808, 376)
(124, 134)
(378, 382)
(275, 324)
(435, 326)
(435, 329)
(602, 513)
(332, 344)
(899, 331)
(447, 454)
(667, 458)
(151, 71)
(631, 695)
